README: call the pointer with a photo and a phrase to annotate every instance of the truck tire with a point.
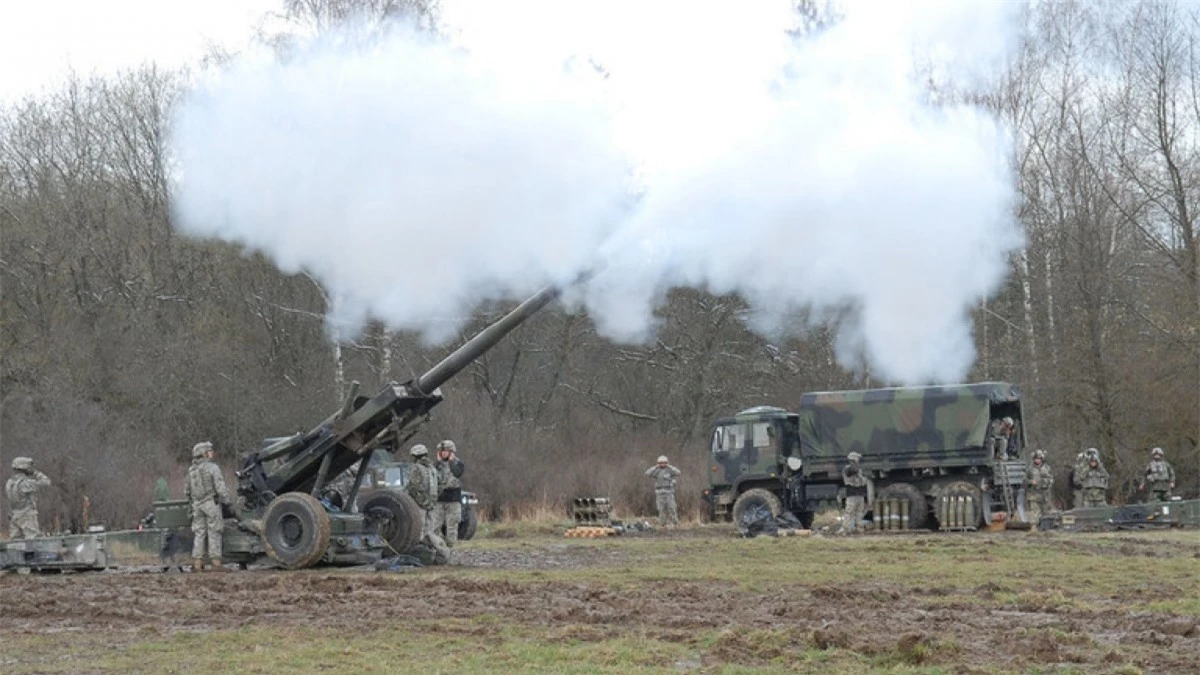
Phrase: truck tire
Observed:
(466, 526)
(296, 530)
(918, 506)
(398, 518)
(754, 504)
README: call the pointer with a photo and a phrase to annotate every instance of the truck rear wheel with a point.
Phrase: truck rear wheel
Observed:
(398, 518)
(977, 501)
(296, 530)
(753, 505)
(918, 507)
(470, 520)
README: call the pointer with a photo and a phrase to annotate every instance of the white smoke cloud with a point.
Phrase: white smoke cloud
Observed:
(417, 177)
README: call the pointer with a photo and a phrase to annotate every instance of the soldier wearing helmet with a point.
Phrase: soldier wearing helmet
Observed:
(447, 511)
(1159, 476)
(1093, 481)
(1076, 477)
(1039, 484)
(423, 488)
(1003, 438)
(21, 490)
(855, 480)
(664, 476)
(205, 490)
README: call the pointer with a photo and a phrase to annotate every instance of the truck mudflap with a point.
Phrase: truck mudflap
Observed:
(1153, 515)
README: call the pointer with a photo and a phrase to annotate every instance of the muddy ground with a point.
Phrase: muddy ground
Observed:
(958, 629)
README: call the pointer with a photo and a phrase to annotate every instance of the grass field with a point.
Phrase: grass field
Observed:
(698, 599)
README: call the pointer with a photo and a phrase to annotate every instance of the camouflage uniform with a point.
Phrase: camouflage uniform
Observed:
(342, 485)
(423, 488)
(206, 491)
(1159, 477)
(1004, 438)
(664, 475)
(1039, 484)
(21, 490)
(1094, 482)
(856, 494)
(448, 509)
(1081, 465)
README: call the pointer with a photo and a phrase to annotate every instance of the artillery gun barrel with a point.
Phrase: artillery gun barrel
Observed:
(487, 338)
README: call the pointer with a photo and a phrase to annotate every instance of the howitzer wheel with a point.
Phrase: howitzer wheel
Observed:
(753, 505)
(296, 530)
(398, 518)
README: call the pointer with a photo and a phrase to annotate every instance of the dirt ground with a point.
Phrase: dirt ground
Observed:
(923, 624)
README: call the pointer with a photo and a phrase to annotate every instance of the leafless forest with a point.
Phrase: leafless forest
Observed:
(122, 342)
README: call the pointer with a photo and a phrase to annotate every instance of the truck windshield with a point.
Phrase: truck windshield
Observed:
(728, 437)
(733, 437)
(396, 476)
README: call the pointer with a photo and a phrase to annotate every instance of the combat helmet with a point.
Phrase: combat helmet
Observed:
(1092, 453)
(447, 445)
(418, 450)
(1039, 454)
(662, 459)
(1157, 452)
(200, 449)
(854, 457)
(22, 464)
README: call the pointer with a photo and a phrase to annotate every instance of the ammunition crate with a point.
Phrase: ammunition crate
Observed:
(172, 514)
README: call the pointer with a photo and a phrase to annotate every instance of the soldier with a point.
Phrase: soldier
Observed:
(1004, 440)
(21, 491)
(856, 494)
(448, 510)
(206, 491)
(1160, 475)
(423, 488)
(664, 491)
(1039, 484)
(1077, 471)
(1094, 480)
(337, 491)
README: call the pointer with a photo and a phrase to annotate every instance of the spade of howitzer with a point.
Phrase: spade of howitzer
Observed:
(300, 466)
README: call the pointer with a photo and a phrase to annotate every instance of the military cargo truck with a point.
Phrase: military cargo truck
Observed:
(927, 451)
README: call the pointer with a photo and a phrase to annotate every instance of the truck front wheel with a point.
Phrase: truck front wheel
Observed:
(470, 520)
(754, 505)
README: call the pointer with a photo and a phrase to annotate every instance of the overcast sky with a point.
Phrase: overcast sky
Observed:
(41, 41)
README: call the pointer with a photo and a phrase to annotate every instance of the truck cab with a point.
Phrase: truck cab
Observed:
(755, 451)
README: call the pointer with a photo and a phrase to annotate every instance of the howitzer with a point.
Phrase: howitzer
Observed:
(282, 483)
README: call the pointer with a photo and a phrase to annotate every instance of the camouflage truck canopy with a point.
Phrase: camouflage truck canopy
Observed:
(904, 426)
